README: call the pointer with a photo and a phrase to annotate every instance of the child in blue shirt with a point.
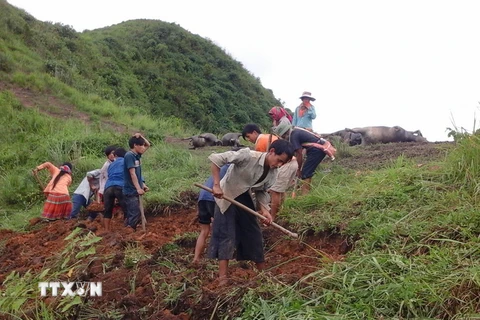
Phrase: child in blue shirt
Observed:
(114, 187)
(133, 186)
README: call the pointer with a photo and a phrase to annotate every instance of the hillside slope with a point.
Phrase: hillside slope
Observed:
(150, 275)
(157, 67)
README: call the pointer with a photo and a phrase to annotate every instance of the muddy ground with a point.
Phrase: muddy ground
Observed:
(142, 287)
(288, 260)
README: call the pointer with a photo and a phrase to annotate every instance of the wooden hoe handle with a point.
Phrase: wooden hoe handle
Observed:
(238, 204)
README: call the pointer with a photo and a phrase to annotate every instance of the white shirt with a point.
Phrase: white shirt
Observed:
(104, 176)
(84, 186)
(242, 176)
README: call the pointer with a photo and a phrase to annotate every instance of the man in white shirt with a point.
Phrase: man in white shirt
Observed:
(235, 229)
(81, 196)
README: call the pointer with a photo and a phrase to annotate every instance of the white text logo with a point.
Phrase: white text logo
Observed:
(70, 289)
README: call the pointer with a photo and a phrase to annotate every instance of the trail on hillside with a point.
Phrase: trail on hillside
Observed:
(55, 107)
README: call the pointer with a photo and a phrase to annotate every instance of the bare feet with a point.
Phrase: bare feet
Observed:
(222, 281)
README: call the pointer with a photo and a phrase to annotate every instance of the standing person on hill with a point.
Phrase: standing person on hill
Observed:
(316, 149)
(134, 187)
(58, 204)
(305, 112)
(234, 229)
(114, 187)
(206, 209)
(104, 170)
(278, 115)
(82, 195)
(286, 173)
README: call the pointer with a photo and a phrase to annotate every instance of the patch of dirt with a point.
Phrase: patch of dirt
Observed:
(136, 289)
(381, 155)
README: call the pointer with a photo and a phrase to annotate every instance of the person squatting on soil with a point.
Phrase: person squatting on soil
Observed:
(114, 187)
(233, 228)
(82, 195)
(305, 112)
(286, 173)
(206, 208)
(134, 187)
(58, 204)
(109, 153)
(316, 149)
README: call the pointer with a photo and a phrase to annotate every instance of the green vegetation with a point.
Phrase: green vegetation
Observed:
(144, 66)
(21, 292)
(414, 230)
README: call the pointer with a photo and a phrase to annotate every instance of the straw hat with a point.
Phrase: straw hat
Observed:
(308, 95)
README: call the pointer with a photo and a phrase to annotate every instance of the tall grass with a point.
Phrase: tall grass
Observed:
(33, 138)
(415, 241)
(464, 165)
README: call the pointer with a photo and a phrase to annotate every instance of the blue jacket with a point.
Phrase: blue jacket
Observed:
(115, 173)
(306, 120)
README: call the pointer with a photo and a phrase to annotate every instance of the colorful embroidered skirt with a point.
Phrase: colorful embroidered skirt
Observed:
(57, 206)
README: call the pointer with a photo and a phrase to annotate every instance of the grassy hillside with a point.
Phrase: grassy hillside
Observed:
(67, 95)
(157, 67)
(408, 226)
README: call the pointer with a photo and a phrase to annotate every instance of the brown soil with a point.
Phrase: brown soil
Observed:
(164, 284)
(288, 261)
(382, 155)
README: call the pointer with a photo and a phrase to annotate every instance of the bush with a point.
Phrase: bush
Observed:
(6, 63)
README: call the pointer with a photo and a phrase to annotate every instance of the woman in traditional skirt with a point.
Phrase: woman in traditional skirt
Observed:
(58, 204)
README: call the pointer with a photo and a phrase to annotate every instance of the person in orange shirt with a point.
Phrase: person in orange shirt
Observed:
(286, 173)
(251, 132)
(58, 204)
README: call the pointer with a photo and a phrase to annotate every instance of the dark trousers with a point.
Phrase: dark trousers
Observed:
(109, 196)
(78, 201)
(132, 206)
(236, 230)
(314, 157)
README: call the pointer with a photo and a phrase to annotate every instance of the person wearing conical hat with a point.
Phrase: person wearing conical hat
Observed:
(305, 112)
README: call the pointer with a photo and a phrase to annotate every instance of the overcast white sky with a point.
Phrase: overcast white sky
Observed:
(412, 63)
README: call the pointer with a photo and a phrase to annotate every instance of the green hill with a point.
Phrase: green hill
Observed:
(65, 96)
(157, 67)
